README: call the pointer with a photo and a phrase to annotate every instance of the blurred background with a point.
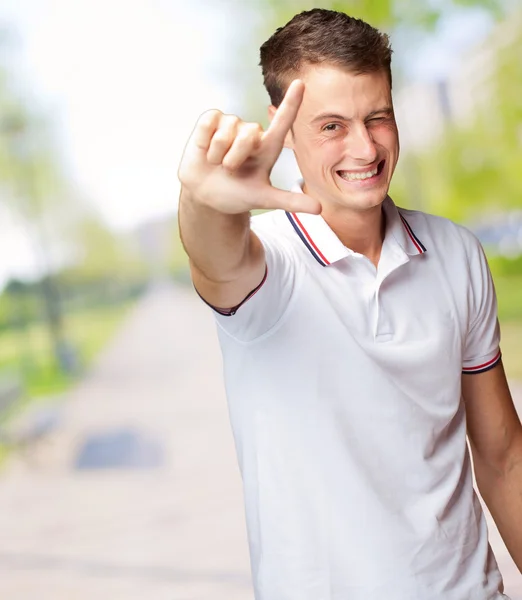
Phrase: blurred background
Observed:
(117, 468)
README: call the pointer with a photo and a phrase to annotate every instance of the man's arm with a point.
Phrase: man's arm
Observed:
(224, 174)
(495, 435)
(226, 258)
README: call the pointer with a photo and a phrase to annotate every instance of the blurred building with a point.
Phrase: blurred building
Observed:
(424, 108)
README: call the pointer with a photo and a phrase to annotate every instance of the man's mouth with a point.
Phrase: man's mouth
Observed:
(362, 175)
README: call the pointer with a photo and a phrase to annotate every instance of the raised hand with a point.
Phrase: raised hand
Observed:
(227, 162)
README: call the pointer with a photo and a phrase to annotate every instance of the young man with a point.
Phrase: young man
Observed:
(360, 341)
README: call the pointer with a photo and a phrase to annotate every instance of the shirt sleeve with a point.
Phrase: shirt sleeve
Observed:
(481, 348)
(263, 308)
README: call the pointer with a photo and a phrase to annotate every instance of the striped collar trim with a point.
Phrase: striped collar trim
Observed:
(419, 246)
(317, 236)
(324, 245)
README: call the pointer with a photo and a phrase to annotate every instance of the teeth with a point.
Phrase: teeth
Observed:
(354, 176)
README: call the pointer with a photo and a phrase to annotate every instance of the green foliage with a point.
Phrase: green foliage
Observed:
(475, 168)
(29, 350)
(506, 267)
(509, 296)
(178, 259)
(507, 275)
(384, 14)
(103, 254)
(19, 305)
(511, 334)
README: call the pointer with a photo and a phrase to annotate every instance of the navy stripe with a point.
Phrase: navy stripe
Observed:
(232, 311)
(484, 369)
(304, 240)
(413, 234)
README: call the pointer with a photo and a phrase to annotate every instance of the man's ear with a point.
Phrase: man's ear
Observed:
(289, 138)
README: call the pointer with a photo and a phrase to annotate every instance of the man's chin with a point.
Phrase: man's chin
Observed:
(363, 199)
(356, 198)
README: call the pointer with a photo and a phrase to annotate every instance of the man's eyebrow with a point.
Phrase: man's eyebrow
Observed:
(332, 116)
(387, 110)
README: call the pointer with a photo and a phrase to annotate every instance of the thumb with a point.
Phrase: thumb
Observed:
(294, 202)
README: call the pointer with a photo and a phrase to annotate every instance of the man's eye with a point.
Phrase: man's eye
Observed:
(330, 127)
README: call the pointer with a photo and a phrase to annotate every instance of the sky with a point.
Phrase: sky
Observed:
(124, 81)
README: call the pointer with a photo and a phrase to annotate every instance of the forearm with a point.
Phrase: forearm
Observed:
(502, 493)
(216, 243)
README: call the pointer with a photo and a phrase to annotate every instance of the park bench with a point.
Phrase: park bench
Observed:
(32, 424)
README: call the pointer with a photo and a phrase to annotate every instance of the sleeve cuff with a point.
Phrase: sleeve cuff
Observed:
(487, 363)
(229, 312)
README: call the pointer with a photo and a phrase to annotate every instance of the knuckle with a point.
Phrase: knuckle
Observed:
(244, 139)
(208, 118)
(214, 159)
(250, 132)
(230, 164)
(226, 130)
(252, 129)
(230, 120)
(233, 160)
(210, 114)
(222, 137)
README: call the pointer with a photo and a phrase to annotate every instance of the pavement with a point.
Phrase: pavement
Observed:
(138, 494)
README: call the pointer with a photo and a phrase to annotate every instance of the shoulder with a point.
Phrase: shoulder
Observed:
(271, 219)
(273, 225)
(442, 234)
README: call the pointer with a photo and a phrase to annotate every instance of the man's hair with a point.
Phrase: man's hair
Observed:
(321, 36)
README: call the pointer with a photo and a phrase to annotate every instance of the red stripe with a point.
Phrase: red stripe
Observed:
(228, 312)
(252, 294)
(310, 239)
(483, 365)
(419, 249)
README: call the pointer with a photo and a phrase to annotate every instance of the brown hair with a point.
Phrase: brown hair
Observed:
(322, 36)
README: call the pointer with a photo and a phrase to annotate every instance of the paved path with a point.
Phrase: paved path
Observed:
(173, 532)
(166, 521)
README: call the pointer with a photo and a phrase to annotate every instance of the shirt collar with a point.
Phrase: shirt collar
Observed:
(327, 248)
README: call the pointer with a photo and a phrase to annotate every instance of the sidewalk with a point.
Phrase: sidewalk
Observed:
(138, 495)
(168, 527)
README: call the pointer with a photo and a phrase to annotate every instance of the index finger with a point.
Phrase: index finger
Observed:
(286, 113)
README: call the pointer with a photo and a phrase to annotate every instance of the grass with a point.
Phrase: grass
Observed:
(30, 352)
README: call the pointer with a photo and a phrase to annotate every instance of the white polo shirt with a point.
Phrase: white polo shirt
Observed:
(344, 391)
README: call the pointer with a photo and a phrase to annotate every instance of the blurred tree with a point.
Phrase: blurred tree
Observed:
(384, 14)
(105, 253)
(105, 267)
(475, 167)
(28, 178)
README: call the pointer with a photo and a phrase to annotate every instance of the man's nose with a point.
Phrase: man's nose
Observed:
(361, 145)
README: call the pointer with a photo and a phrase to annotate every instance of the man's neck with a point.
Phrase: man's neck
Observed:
(361, 231)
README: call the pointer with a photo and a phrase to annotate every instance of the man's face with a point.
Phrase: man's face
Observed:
(345, 138)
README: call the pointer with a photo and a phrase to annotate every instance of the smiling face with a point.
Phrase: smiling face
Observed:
(345, 138)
